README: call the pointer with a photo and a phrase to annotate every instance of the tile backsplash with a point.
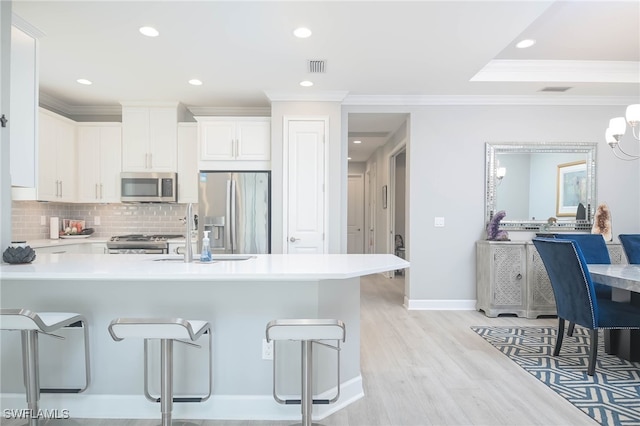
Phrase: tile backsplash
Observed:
(114, 219)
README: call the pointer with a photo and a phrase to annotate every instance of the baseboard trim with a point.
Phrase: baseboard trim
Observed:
(439, 305)
(218, 407)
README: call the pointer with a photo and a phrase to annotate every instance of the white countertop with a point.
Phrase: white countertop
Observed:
(35, 244)
(100, 267)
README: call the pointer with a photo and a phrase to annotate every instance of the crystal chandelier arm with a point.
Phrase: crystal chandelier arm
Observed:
(635, 135)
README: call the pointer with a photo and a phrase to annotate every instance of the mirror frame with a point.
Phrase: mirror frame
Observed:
(588, 148)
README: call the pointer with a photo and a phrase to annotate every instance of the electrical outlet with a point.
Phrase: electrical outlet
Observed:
(267, 349)
(96, 220)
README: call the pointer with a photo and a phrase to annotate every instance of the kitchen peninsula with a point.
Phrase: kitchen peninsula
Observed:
(238, 297)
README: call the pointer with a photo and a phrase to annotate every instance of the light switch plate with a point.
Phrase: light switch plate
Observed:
(96, 220)
(438, 222)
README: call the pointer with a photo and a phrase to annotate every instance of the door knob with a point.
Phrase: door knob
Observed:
(293, 239)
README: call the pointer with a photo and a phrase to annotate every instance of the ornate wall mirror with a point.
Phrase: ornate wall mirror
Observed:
(541, 186)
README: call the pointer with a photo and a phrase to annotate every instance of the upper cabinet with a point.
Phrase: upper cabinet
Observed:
(187, 163)
(56, 158)
(99, 162)
(149, 138)
(234, 143)
(23, 104)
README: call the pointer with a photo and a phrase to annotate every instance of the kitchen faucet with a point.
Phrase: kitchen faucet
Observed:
(188, 251)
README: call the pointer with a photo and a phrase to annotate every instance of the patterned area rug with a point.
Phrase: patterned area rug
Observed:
(611, 396)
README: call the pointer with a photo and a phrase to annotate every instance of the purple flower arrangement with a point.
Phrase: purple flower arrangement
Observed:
(493, 228)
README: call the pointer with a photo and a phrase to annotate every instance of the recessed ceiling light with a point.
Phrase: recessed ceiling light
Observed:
(306, 83)
(84, 81)
(302, 32)
(523, 44)
(149, 31)
(195, 82)
(357, 141)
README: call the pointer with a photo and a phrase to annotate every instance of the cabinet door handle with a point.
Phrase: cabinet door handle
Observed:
(60, 189)
(97, 191)
(519, 276)
(101, 194)
(57, 188)
(150, 160)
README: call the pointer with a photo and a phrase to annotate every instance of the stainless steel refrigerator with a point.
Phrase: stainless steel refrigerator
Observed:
(235, 207)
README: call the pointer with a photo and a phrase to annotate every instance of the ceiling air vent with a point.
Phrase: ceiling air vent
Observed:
(316, 65)
(555, 89)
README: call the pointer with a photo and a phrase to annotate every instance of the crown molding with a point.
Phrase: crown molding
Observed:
(63, 108)
(231, 111)
(25, 26)
(547, 99)
(329, 96)
(557, 99)
(560, 71)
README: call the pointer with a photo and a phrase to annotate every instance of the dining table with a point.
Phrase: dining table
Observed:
(625, 282)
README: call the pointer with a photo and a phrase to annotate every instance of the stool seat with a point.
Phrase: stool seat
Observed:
(168, 331)
(157, 328)
(24, 319)
(30, 324)
(305, 329)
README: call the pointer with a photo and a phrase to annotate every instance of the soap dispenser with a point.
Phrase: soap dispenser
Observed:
(205, 255)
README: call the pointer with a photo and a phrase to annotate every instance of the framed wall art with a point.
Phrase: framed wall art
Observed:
(571, 188)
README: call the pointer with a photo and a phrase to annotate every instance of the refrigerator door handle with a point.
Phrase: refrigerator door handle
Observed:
(227, 228)
(233, 216)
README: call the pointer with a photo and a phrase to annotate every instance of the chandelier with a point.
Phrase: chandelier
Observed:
(617, 128)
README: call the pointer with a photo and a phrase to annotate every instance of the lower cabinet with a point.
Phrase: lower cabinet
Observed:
(85, 248)
(511, 279)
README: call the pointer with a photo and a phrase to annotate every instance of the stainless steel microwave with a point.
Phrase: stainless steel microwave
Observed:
(143, 187)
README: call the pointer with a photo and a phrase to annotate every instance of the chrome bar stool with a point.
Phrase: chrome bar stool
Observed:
(30, 324)
(308, 332)
(167, 330)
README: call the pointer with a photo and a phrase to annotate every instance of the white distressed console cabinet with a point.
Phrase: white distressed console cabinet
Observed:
(511, 279)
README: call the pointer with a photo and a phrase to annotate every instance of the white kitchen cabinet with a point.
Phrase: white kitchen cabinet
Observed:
(234, 139)
(187, 162)
(56, 157)
(23, 104)
(99, 162)
(149, 138)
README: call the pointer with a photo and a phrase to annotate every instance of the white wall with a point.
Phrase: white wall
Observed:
(445, 169)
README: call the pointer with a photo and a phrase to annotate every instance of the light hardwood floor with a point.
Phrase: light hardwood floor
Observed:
(425, 368)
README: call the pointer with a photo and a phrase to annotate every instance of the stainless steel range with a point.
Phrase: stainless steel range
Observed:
(140, 244)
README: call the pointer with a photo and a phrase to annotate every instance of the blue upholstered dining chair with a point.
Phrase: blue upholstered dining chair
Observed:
(576, 298)
(631, 247)
(594, 249)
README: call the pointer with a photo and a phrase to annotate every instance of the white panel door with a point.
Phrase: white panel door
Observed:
(306, 178)
(372, 208)
(355, 215)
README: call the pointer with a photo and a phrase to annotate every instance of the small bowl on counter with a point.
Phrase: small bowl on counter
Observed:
(18, 253)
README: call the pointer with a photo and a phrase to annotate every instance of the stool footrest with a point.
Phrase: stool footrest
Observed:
(186, 399)
(61, 390)
(315, 401)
